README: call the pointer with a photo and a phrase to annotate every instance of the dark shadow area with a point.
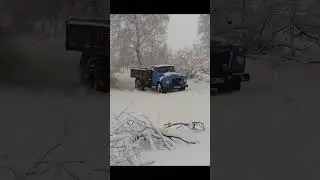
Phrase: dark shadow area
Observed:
(268, 130)
(43, 133)
(37, 63)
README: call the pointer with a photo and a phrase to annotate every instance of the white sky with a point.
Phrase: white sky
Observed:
(182, 30)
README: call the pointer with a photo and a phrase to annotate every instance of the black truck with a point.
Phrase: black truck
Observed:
(228, 65)
(91, 38)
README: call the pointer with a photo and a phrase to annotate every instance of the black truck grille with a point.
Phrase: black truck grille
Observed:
(176, 81)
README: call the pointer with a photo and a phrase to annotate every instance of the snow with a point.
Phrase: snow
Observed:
(162, 65)
(184, 155)
(182, 106)
(33, 122)
(171, 73)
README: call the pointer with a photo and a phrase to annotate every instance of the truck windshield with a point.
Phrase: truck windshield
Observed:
(164, 69)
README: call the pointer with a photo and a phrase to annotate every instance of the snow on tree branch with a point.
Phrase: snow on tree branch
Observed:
(132, 133)
(138, 35)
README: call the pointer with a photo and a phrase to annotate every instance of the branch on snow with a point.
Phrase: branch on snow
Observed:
(192, 125)
(133, 132)
(304, 33)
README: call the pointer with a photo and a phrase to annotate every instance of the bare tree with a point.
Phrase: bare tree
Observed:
(204, 33)
(140, 35)
(21, 16)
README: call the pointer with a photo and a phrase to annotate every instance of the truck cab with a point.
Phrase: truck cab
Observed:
(162, 77)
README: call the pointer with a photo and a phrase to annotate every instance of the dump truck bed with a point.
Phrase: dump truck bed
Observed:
(141, 73)
(86, 33)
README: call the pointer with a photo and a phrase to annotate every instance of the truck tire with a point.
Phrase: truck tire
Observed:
(83, 70)
(236, 85)
(136, 84)
(97, 69)
(212, 92)
(139, 84)
(224, 88)
(160, 88)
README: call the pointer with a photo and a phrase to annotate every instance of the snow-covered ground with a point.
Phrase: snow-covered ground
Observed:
(182, 106)
(264, 116)
(31, 123)
(268, 128)
(39, 97)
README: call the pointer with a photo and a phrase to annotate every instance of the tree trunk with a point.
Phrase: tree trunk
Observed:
(291, 43)
(138, 45)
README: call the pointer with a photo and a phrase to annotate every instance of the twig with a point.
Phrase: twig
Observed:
(148, 163)
(10, 169)
(188, 142)
(160, 134)
(191, 125)
(126, 139)
(55, 147)
(101, 170)
(70, 173)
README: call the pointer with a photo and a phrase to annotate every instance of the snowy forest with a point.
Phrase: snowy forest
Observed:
(281, 36)
(277, 110)
(141, 41)
(286, 29)
(45, 18)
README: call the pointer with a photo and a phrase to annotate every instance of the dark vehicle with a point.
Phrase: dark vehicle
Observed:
(228, 65)
(162, 77)
(91, 38)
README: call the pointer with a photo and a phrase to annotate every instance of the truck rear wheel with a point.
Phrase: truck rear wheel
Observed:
(139, 84)
(224, 88)
(83, 70)
(96, 73)
(136, 84)
(212, 91)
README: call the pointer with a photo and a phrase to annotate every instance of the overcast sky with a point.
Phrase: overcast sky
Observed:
(182, 30)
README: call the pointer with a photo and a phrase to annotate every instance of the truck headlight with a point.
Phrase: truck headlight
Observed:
(168, 81)
(185, 80)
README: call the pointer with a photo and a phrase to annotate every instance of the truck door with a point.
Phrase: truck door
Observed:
(154, 76)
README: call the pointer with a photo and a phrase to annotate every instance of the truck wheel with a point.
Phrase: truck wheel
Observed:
(136, 84)
(160, 89)
(212, 92)
(236, 85)
(224, 88)
(142, 85)
(83, 70)
(139, 84)
(96, 85)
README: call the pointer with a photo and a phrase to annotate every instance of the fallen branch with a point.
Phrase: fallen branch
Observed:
(134, 133)
(192, 125)
(181, 139)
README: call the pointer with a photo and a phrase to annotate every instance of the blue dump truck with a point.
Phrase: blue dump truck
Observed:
(228, 65)
(162, 77)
